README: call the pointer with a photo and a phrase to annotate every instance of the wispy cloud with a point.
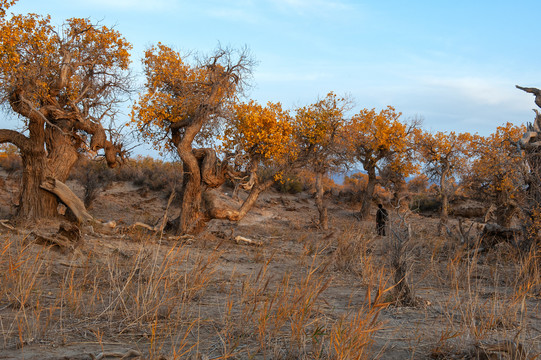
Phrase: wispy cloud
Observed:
(483, 91)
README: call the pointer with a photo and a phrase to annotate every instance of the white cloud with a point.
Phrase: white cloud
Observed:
(483, 91)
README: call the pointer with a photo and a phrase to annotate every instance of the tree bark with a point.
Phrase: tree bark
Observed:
(71, 200)
(46, 152)
(62, 155)
(35, 203)
(216, 212)
(321, 208)
(190, 209)
(369, 193)
(444, 201)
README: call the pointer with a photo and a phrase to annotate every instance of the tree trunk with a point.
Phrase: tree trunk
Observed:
(444, 202)
(321, 208)
(62, 155)
(35, 203)
(38, 164)
(190, 210)
(71, 200)
(369, 193)
(219, 212)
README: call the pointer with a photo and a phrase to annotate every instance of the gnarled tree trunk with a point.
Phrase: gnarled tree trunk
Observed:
(35, 203)
(190, 209)
(321, 208)
(369, 193)
(38, 165)
(215, 211)
(444, 215)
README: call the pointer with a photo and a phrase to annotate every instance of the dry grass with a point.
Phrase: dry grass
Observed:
(156, 293)
(304, 294)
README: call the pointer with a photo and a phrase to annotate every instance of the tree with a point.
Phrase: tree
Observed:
(498, 171)
(259, 137)
(444, 156)
(318, 132)
(185, 103)
(378, 141)
(418, 184)
(63, 83)
(4, 5)
(530, 145)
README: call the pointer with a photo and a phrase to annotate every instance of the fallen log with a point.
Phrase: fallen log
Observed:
(5, 224)
(494, 233)
(56, 240)
(67, 196)
(76, 205)
(242, 240)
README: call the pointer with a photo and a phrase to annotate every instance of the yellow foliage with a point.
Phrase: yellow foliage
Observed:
(371, 137)
(262, 133)
(499, 168)
(317, 131)
(177, 92)
(445, 152)
(35, 57)
(4, 5)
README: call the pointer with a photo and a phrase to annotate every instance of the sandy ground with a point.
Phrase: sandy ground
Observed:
(465, 302)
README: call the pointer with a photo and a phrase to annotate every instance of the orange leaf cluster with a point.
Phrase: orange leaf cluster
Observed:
(52, 67)
(263, 133)
(318, 129)
(445, 150)
(499, 167)
(372, 137)
(177, 92)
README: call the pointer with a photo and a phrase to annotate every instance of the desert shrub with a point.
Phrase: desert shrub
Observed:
(157, 175)
(382, 195)
(146, 172)
(291, 184)
(93, 177)
(308, 180)
(357, 181)
(401, 254)
(354, 188)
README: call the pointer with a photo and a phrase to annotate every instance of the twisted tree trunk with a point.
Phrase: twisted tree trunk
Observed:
(369, 193)
(35, 203)
(217, 211)
(190, 209)
(321, 208)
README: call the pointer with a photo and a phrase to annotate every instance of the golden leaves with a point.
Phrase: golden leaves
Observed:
(4, 5)
(184, 94)
(80, 60)
(498, 166)
(375, 136)
(263, 133)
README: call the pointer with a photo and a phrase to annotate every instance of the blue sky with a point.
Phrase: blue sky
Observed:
(454, 63)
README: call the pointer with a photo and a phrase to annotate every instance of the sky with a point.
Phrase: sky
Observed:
(453, 63)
